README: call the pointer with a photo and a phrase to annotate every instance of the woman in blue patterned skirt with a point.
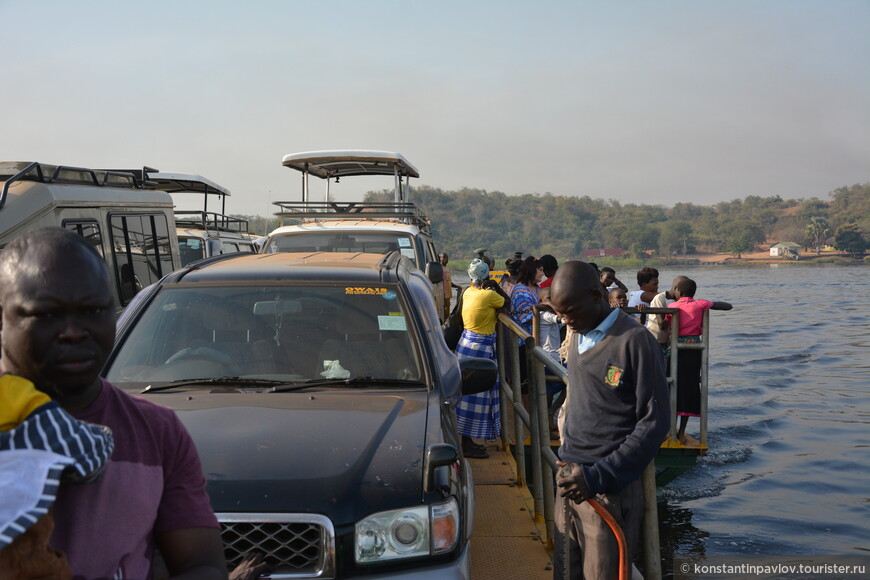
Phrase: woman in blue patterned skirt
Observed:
(478, 415)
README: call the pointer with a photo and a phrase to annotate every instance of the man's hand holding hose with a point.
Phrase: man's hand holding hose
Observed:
(570, 478)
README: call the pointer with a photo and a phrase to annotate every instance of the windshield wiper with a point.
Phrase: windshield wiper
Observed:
(234, 381)
(354, 382)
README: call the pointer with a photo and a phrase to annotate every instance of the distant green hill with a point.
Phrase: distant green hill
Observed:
(564, 226)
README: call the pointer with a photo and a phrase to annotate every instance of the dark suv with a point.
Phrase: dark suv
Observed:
(320, 395)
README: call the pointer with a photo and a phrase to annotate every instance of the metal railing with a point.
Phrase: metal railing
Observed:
(36, 171)
(210, 221)
(676, 347)
(535, 419)
(405, 212)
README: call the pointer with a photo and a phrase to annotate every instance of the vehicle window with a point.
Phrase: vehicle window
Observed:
(288, 333)
(89, 230)
(432, 253)
(191, 249)
(365, 242)
(140, 243)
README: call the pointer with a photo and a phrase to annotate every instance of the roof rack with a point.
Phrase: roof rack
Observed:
(209, 220)
(35, 171)
(404, 212)
(184, 183)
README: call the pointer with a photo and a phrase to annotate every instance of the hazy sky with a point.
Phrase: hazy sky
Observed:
(645, 102)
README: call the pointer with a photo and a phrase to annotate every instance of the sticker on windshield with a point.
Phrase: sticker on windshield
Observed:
(408, 252)
(371, 291)
(392, 323)
(404, 243)
(389, 295)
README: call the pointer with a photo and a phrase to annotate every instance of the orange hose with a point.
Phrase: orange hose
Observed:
(624, 573)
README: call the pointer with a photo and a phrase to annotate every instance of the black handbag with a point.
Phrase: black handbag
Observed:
(453, 326)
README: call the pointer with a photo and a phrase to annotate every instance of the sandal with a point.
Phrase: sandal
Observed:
(475, 453)
(473, 450)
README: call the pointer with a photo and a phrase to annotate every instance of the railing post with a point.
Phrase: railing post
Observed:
(502, 375)
(535, 428)
(516, 391)
(547, 488)
(675, 348)
(652, 564)
(705, 359)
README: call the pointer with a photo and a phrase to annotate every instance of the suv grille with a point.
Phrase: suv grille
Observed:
(296, 545)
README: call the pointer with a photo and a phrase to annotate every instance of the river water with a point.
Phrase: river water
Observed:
(788, 471)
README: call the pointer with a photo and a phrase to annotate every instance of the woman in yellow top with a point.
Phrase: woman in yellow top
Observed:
(478, 415)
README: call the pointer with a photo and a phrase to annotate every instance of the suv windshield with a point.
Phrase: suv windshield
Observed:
(365, 242)
(281, 333)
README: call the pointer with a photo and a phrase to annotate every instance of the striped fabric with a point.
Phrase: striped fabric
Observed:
(52, 429)
(44, 446)
(30, 479)
(478, 415)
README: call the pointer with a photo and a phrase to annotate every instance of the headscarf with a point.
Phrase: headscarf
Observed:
(478, 271)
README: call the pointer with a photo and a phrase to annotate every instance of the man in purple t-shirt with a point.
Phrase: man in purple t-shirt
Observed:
(57, 330)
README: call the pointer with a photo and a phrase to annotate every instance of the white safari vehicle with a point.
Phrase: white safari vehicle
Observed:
(364, 227)
(132, 228)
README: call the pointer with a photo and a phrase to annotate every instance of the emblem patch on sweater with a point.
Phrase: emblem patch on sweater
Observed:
(613, 376)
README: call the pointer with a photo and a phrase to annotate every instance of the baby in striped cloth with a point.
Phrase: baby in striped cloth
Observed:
(40, 444)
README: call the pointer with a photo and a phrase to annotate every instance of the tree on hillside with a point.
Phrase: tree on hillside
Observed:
(742, 238)
(811, 208)
(817, 232)
(674, 237)
(850, 239)
(851, 205)
(643, 235)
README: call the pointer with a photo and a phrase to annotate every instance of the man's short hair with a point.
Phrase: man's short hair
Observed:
(63, 240)
(574, 278)
(608, 269)
(687, 287)
(645, 274)
(550, 263)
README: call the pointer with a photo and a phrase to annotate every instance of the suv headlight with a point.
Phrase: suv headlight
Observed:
(407, 533)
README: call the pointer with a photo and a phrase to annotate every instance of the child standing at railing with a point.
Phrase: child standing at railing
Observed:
(689, 360)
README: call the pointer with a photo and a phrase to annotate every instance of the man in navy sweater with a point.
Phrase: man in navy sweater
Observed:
(615, 418)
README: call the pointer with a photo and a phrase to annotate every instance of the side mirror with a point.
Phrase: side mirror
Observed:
(435, 272)
(478, 375)
(438, 455)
